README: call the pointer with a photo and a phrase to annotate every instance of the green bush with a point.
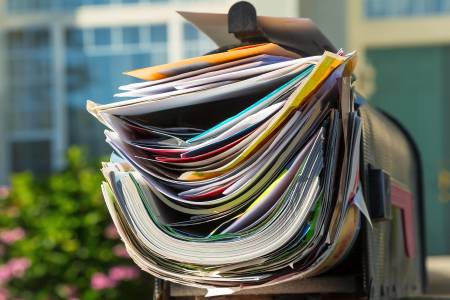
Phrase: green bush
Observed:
(57, 240)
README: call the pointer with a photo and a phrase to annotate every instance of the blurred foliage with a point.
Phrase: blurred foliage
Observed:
(62, 219)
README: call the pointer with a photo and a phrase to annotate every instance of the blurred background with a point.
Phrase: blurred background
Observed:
(55, 236)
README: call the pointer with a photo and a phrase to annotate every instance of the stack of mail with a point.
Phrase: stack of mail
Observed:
(236, 169)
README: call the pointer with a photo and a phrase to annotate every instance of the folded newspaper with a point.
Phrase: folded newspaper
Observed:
(237, 169)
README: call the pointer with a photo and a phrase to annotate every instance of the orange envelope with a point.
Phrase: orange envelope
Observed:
(195, 63)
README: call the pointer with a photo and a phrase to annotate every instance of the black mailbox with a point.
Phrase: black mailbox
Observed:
(387, 262)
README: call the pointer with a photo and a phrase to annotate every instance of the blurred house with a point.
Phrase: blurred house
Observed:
(55, 54)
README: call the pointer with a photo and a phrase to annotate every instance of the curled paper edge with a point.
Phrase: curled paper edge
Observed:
(211, 292)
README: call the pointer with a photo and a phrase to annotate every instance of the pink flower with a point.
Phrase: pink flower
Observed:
(5, 274)
(12, 235)
(120, 251)
(14, 268)
(100, 281)
(4, 294)
(111, 232)
(119, 273)
(18, 266)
